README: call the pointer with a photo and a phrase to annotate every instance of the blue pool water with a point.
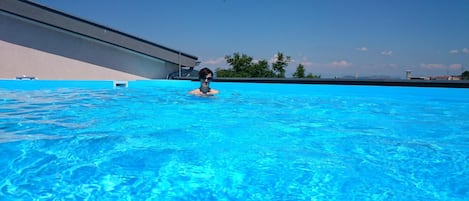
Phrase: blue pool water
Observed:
(152, 141)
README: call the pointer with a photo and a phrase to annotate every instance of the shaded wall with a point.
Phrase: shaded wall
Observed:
(46, 52)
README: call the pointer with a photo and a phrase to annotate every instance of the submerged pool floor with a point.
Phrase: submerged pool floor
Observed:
(251, 142)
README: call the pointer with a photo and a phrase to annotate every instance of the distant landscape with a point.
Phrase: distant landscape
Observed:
(244, 66)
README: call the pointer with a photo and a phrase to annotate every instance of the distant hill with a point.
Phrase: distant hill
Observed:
(371, 77)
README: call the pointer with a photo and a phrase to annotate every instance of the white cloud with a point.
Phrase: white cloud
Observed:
(306, 63)
(454, 51)
(455, 66)
(273, 59)
(216, 61)
(362, 49)
(340, 64)
(386, 53)
(309, 64)
(433, 66)
(440, 67)
(465, 50)
(303, 61)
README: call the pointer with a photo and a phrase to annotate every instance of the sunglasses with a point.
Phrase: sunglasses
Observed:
(207, 78)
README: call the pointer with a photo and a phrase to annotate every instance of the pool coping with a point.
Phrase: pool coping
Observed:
(32, 84)
(376, 82)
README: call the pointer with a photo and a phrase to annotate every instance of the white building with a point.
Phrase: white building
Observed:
(48, 44)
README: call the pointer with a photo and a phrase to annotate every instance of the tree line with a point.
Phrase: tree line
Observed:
(465, 75)
(243, 65)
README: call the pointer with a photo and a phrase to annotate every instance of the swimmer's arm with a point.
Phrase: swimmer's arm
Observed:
(198, 92)
(213, 92)
(195, 91)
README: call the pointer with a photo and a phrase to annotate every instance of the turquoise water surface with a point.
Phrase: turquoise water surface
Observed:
(153, 141)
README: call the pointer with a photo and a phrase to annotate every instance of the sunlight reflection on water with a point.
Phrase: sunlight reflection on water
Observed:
(257, 143)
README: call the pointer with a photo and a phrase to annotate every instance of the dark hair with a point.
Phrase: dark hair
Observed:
(204, 72)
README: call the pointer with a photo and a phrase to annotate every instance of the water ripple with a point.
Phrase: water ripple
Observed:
(162, 144)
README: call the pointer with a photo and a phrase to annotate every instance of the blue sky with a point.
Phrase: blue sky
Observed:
(329, 37)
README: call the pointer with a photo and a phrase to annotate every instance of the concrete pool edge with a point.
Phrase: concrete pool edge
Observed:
(410, 83)
(100, 84)
(15, 84)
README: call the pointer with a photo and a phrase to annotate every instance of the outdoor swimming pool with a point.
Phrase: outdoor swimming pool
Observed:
(90, 141)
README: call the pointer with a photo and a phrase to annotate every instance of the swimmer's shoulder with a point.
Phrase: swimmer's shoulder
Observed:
(195, 91)
(214, 91)
(199, 93)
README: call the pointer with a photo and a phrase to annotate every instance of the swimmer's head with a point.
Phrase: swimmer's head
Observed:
(205, 76)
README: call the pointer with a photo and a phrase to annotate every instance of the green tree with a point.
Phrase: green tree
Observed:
(465, 75)
(225, 72)
(260, 69)
(239, 62)
(280, 64)
(300, 71)
(310, 75)
(244, 66)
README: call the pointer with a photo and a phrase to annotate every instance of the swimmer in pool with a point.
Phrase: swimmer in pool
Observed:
(205, 77)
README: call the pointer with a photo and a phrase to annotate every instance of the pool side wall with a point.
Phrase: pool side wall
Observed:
(14, 84)
(414, 83)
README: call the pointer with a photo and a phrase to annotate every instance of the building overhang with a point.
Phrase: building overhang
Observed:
(60, 20)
